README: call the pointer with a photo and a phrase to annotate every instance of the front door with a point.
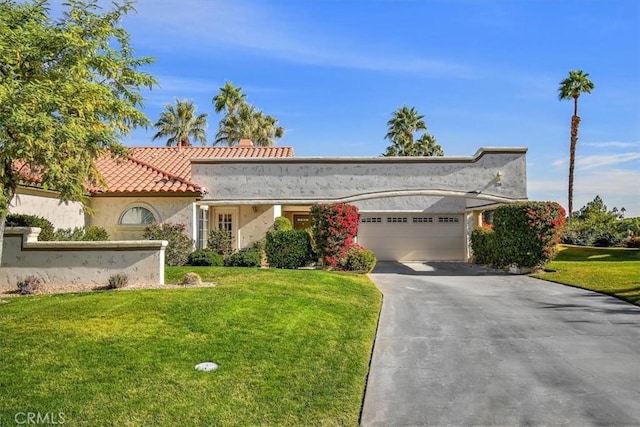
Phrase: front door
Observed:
(226, 219)
(301, 221)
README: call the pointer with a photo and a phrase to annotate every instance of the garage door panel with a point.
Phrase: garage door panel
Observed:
(437, 237)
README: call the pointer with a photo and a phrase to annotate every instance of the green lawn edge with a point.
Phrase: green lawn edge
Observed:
(609, 271)
(302, 341)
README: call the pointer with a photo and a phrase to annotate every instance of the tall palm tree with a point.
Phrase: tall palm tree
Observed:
(179, 123)
(228, 98)
(571, 88)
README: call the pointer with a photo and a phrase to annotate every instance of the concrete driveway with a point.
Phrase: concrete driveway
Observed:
(462, 345)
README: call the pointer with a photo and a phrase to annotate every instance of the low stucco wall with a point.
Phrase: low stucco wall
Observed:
(78, 262)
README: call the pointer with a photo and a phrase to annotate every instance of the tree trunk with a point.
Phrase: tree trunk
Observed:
(575, 121)
(3, 217)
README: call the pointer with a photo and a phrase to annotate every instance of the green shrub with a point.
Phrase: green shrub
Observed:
(595, 225)
(244, 258)
(29, 285)
(358, 259)
(220, 241)
(191, 279)
(484, 247)
(282, 223)
(180, 245)
(205, 258)
(94, 233)
(528, 232)
(288, 249)
(91, 234)
(23, 220)
(117, 281)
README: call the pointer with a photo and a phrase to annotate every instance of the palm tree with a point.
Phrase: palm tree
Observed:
(403, 123)
(571, 88)
(228, 98)
(180, 122)
(427, 145)
(250, 123)
(401, 127)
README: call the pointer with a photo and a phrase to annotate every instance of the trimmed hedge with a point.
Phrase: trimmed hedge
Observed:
(282, 223)
(23, 220)
(524, 234)
(78, 234)
(288, 249)
(205, 258)
(484, 247)
(244, 258)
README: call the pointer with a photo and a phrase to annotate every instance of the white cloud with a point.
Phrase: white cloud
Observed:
(275, 32)
(612, 144)
(599, 160)
(617, 187)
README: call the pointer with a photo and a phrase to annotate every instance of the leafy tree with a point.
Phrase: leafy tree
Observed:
(228, 98)
(69, 91)
(242, 120)
(595, 224)
(403, 124)
(571, 88)
(181, 122)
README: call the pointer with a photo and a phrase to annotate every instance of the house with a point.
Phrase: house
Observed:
(412, 208)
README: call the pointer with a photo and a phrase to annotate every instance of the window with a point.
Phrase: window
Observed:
(397, 219)
(225, 222)
(365, 220)
(422, 219)
(137, 216)
(448, 219)
(203, 227)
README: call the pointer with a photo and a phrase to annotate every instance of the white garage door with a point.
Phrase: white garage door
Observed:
(412, 237)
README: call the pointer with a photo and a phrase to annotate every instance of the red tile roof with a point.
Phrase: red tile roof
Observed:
(177, 160)
(162, 170)
(168, 169)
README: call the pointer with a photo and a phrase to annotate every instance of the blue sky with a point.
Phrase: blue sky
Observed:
(483, 73)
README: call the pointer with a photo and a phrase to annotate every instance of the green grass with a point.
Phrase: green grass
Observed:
(293, 349)
(612, 271)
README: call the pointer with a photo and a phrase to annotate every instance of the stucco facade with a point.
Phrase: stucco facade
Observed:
(436, 197)
(38, 202)
(108, 211)
(492, 174)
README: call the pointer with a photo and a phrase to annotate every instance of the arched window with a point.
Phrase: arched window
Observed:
(137, 215)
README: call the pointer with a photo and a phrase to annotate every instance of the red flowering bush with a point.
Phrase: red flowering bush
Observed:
(335, 227)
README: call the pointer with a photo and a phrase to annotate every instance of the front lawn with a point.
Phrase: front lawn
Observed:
(613, 271)
(293, 349)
